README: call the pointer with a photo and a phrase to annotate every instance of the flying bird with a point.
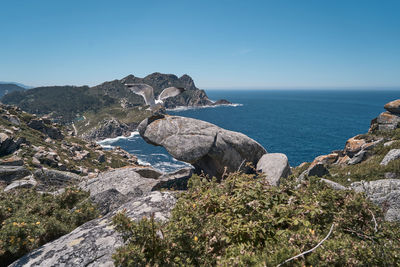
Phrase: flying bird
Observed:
(147, 92)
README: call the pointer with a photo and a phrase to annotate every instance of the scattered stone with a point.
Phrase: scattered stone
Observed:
(274, 166)
(393, 106)
(11, 173)
(393, 154)
(206, 146)
(93, 243)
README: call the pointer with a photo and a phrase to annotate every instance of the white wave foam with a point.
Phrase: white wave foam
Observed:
(142, 162)
(109, 141)
(183, 108)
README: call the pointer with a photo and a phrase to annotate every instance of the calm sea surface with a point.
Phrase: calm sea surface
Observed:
(302, 124)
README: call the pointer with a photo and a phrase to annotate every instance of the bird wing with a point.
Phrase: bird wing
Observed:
(146, 91)
(170, 92)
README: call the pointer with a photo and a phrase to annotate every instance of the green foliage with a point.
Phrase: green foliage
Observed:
(29, 219)
(65, 102)
(243, 221)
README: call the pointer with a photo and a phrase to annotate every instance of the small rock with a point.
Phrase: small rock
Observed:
(274, 166)
(148, 172)
(390, 175)
(50, 180)
(393, 154)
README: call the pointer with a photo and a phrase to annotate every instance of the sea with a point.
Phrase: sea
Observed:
(302, 124)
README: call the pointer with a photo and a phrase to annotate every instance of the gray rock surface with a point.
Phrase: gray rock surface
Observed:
(93, 243)
(26, 182)
(385, 193)
(111, 189)
(206, 146)
(51, 180)
(393, 154)
(11, 173)
(274, 166)
(318, 170)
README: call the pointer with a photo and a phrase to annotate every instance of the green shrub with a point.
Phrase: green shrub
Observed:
(243, 221)
(30, 219)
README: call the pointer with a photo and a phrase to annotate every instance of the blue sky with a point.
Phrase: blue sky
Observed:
(221, 44)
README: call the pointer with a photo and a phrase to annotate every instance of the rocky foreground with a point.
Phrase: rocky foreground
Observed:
(369, 163)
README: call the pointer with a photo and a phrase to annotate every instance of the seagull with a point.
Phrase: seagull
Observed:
(147, 92)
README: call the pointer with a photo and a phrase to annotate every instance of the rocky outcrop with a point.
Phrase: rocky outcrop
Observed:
(110, 128)
(93, 243)
(206, 146)
(274, 166)
(221, 102)
(385, 193)
(393, 106)
(26, 182)
(388, 120)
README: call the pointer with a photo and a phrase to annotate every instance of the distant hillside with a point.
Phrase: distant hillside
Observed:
(64, 103)
(6, 88)
(61, 103)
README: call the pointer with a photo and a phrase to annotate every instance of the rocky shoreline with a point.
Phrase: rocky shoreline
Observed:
(212, 151)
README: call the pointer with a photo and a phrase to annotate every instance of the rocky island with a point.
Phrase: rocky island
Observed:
(349, 199)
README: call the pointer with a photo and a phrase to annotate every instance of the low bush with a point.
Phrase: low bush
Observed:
(29, 219)
(242, 221)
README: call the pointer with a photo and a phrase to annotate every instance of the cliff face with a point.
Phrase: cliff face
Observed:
(191, 97)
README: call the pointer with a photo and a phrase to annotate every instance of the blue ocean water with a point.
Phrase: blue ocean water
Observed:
(300, 123)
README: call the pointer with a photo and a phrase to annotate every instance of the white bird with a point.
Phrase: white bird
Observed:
(147, 92)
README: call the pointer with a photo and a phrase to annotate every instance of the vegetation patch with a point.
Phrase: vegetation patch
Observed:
(29, 219)
(243, 221)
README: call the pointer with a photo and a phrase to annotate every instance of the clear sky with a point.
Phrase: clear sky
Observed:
(221, 44)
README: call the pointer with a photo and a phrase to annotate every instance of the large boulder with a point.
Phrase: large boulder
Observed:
(274, 166)
(393, 106)
(385, 193)
(206, 146)
(93, 243)
(42, 125)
